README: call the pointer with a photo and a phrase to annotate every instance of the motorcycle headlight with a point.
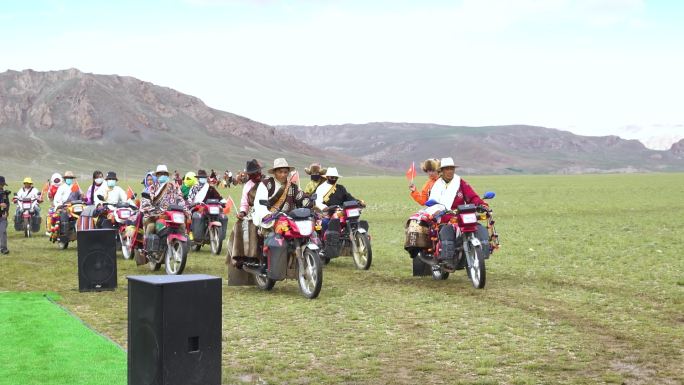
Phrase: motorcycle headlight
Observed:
(214, 210)
(469, 218)
(124, 214)
(305, 227)
(178, 218)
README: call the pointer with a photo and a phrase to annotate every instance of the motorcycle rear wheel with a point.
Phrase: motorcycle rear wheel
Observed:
(176, 256)
(215, 240)
(476, 265)
(363, 257)
(310, 274)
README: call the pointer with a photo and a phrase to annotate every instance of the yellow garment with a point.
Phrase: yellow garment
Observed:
(190, 179)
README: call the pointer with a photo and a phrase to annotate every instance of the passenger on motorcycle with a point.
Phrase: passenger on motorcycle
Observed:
(148, 181)
(163, 193)
(431, 167)
(28, 192)
(330, 193)
(316, 172)
(97, 183)
(67, 192)
(189, 181)
(55, 181)
(111, 193)
(451, 191)
(282, 195)
(243, 239)
(203, 190)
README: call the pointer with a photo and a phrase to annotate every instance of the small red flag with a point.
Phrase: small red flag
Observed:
(75, 187)
(411, 173)
(295, 177)
(229, 205)
(130, 192)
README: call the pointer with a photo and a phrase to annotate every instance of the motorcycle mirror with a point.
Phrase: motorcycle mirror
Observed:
(430, 203)
(489, 195)
(145, 195)
(100, 197)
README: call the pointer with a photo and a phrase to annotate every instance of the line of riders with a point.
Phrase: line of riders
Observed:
(281, 230)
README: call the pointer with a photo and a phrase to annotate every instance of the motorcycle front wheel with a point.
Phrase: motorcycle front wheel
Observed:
(476, 265)
(126, 245)
(27, 228)
(310, 273)
(215, 240)
(363, 256)
(176, 255)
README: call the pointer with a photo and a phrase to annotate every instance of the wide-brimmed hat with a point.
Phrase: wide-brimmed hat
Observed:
(446, 162)
(162, 168)
(315, 169)
(280, 163)
(28, 180)
(332, 173)
(111, 175)
(429, 165)
(201, 173)
(69, 174)
(252, 167)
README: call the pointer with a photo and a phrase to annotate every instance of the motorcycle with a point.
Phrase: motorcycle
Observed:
(120, 219)
(170, 244)
(348, 236)
(63, 227)
(473, 242)
(27, 219)
(290, 251)
(208, 225)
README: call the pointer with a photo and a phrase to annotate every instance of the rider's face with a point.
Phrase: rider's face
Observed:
(27, 185)
(281, 174)
(448, 173)
(432, 174)
(150, 180)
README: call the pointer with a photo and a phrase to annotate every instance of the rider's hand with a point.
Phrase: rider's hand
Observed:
(362, 203)
(241, 214)
(412, 187)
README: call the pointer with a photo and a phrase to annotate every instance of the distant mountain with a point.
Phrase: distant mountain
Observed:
(487, 150)
(655, 137)
(57, 120)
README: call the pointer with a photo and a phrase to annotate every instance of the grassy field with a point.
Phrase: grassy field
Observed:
(587, 288)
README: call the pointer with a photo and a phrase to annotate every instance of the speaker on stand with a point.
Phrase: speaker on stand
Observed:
(96, 260)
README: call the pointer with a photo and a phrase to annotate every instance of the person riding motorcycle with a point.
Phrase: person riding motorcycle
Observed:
(189, 181)
(203, 190)
(316, 172)
(54, 183)
(67, 192)
(112, 195)
(243, 239)
(280, 192)
(90, 191)
(451, 191)
(431, 167)
(28, 192)
(330, 193)
(163, 193)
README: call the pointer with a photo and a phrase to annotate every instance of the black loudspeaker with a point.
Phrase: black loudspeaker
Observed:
(174, 330)
(96, 260)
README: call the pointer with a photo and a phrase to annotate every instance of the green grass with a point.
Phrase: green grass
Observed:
(43, 344)
(587, 288)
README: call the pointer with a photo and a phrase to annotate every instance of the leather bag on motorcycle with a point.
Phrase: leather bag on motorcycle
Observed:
(276, 256)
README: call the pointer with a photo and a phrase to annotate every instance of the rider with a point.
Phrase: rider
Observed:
(280, 192)
(111, 193)
(163, 193)
(148, 181)
(4, 209)
(451, 191)
(330, 193)
(28, 192)
(244, 243)
(97, 183)
(431, 167)
(188, 182)
(203, 190)
(316, 172)
(54, 182)
(67, 192)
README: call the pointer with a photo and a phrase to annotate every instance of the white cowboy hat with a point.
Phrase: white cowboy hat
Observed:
(446, 162)
(162, 168)
(280, 163)
(332, 172)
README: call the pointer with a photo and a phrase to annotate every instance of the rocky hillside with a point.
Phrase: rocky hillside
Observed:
(73, 120)
(486, 150)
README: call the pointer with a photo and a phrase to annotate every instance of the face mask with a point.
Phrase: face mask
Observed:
(99, 181)
(332, 180)
(111, 183)
(68, 182)
(163, 178)
(203, 180)
(315, 178)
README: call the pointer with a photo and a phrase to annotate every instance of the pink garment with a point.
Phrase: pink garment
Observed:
(244, 201)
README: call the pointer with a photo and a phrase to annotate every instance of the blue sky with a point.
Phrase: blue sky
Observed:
(588, 66)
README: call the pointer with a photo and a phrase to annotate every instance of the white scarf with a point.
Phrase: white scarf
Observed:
(321, 191)
(445, 193)
(199, 197)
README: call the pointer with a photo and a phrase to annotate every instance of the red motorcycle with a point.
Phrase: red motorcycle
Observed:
(347, 235)
(28, 221)
(119, 217)
(290, 251)
(169, 245)
(208, 225)
(474, 243)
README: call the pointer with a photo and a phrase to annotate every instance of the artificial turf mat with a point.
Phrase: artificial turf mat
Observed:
(41, 343)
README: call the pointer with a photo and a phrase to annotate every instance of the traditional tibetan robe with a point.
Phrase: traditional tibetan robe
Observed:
(332, 195)
(281, 197)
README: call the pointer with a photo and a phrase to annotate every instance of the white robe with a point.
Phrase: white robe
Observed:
(320, 194)
(112, 197)
(445, 193)
(260, 211)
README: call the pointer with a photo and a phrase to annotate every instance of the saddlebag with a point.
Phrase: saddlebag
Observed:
(276, 254)
(198, 226)
(152, 243)
(416, 235)
(35, 224)
(18, 222)
(332, 239)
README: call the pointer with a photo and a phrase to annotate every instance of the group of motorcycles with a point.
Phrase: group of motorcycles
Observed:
(297, 248)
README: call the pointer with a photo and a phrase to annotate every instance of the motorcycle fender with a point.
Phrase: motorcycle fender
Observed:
(180, 237)
(312, 246)
(215, 224)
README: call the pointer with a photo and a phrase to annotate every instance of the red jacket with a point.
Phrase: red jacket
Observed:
(466, 194)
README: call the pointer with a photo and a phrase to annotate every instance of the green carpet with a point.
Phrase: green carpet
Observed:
(40, 343)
